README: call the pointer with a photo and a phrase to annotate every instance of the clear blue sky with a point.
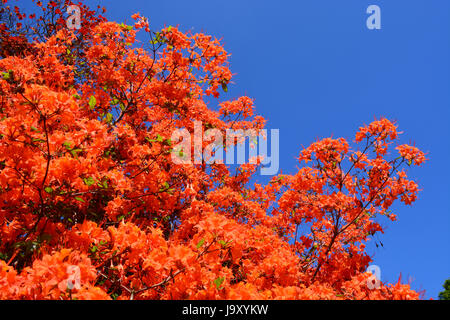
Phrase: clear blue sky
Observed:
(315, 70)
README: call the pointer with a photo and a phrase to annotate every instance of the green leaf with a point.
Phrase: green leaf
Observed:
(200, 243)
(89, 181)
(159, 138)
(8, 75)
(165, 187)
(109, 118)
(34, 129)
(92, 102)
(37, 140)
(124, 26)
(48, 189)
(224, 87)
(218, 282)
(80, 199)
(74, 152)
(224, 244)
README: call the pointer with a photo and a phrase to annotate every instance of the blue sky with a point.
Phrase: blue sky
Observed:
(315, 70)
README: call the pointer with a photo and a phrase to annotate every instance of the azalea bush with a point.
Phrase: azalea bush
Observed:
(87, 178)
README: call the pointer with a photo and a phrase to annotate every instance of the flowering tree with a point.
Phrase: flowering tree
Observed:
(93, 207)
